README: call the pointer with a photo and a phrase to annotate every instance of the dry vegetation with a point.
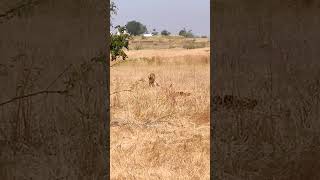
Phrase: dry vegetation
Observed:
(51, 123)
(161, 132)
(274, 61)
(167, 42)
(279, 139)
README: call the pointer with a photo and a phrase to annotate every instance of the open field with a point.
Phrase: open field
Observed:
(161, 132)
(277, 139)
(167, 42)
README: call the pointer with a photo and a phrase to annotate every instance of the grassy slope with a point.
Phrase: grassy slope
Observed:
(154, 132)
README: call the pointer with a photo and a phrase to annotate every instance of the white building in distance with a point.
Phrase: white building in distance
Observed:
(147, 35)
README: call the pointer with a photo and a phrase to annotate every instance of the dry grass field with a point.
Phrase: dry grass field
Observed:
(161, 132)
(277, 139)
(167, 42)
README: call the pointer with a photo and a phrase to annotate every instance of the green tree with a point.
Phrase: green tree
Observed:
(165, 33)
(136, 28)
(185, 33)
(118, 43)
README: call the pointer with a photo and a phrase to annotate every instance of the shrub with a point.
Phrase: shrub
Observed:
(118, 42)
(185, 33)
(165, 33)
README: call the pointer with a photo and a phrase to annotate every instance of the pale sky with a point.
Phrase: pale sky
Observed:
(172, 15)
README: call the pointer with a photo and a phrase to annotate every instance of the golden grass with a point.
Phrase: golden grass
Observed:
(167, 42)
(165, 54)
(155, 132)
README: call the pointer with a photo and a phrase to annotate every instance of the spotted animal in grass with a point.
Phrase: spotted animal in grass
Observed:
(233, 102)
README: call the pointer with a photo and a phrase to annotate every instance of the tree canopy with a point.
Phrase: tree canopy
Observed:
(165, 33)
(118, 41)
(136, 28)
(185, 33)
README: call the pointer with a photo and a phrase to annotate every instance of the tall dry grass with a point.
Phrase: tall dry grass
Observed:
(278, 139)
(51, 135)
(266, 51)
(158, 132)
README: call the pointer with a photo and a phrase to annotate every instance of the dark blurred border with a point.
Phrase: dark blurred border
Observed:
(273, 42)
(106, 75)
(213, 70)
(38, 33)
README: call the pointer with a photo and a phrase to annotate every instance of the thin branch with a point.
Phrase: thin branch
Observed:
(129, 90)
(162, 117)
(158, 120)
(65, 70)
(32, 94)
(11, 12)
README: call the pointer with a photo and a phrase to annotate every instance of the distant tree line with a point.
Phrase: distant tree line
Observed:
(137, 28)
(120, 41)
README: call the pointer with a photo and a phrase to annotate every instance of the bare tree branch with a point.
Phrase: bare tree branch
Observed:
(55, 80)
(129, 90)
(15, 10)
(32, 94)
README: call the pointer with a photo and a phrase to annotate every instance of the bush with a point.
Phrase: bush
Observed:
(185, 33)
(165, 33)
(118, 42)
